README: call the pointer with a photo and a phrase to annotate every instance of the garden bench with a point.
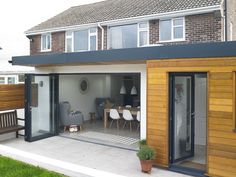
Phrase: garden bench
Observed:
(9, 123)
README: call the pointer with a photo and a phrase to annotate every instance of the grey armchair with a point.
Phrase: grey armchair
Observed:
(68, 118)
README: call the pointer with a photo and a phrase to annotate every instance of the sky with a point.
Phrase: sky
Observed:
(17, 16)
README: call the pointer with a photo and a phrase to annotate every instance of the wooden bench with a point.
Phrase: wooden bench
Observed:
(9, 123)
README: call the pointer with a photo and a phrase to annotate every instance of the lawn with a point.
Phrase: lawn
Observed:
(13, 168)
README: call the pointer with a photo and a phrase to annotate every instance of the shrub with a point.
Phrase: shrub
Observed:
(146, 153)
(142, 143)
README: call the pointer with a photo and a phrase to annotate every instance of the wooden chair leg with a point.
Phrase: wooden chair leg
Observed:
(17, 134)
(130, 125)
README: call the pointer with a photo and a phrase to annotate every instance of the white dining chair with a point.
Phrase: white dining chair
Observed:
(114, 115)
(128, 118)
(138, 118)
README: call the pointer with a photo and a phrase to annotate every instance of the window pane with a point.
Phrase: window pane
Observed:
(2, 80)
(123, 36)
(69, 33)
(81, 40)
(143, 38)
(178, 21)
(178, 32)
(93, 30)
(93, 42)
(165, 30)
(11, 80)
(143, 25)
(44, 42)
(68, 45)
(48, 42)
(21, 78)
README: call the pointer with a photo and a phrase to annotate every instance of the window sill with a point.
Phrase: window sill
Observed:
(171, 41)
(49, 50)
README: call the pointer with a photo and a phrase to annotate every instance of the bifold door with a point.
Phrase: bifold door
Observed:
(41, 99)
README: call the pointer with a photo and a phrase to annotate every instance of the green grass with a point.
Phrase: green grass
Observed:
(13, 168)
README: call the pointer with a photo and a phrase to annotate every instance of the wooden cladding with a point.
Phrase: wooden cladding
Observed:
(221, 140)
(12, 97)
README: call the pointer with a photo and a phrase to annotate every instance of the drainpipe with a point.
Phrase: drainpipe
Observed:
(99, 25)
(226, 21)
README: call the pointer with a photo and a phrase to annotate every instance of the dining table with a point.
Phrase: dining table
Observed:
(120, 109)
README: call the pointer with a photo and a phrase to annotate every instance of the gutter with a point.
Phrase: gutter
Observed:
(99, 25)
(226, 20)
(172, 14)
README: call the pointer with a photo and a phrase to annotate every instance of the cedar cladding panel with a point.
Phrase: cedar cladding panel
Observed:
(221, 140)
(12, 97)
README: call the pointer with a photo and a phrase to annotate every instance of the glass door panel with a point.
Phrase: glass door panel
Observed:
(41, 110)
(182, 114)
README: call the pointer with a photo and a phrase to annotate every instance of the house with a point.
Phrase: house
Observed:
(168, 60)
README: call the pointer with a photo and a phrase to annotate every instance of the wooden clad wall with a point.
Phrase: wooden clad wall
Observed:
(221, 140)
(12, 96)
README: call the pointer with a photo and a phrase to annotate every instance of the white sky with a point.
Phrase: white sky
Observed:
(17, 16)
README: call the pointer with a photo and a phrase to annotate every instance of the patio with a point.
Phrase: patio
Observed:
(77, 158)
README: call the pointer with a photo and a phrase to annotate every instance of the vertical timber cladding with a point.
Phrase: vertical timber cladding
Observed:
(221, 140)
(12, 96)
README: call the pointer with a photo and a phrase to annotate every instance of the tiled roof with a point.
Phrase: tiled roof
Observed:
(119, 9)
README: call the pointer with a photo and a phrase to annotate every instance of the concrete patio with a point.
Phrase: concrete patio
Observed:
(79, 159)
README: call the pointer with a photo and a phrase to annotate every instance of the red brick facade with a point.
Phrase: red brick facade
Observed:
(198, 28)
(58, 44)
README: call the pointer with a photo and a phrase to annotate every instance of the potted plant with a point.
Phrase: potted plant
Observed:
(146, 156)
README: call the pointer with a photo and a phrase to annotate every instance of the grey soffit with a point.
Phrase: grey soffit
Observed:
(119, 9)
(132, 55)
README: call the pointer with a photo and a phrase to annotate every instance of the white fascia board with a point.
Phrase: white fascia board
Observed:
(172, 14)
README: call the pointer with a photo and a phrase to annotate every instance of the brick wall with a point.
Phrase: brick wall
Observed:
(58, 43)
(204, 28)
(199, 28)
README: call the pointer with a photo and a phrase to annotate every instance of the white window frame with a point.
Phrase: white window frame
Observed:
(172, 30)
(138, 32)
(89, 35)
(72, 40)
(143, 30)
(230, 31)
(50, 41)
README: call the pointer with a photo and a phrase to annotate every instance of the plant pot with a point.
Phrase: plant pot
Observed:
(146, 166)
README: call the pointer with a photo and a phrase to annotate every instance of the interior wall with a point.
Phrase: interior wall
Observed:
(200, 110)
(99, 86)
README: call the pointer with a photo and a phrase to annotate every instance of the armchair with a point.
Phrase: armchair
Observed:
(67, 117)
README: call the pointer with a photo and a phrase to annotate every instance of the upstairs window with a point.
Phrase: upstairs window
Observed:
(81, 40)
(143, 34)
(46, 42)
(128, 36)
(172, 30)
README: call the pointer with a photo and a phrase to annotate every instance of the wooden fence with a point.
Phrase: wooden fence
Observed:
(12, 96)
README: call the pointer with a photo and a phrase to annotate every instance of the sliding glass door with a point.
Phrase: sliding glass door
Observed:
(41, 106)
(182, 116)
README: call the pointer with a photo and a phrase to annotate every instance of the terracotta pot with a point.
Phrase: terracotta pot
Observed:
(146, 166)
